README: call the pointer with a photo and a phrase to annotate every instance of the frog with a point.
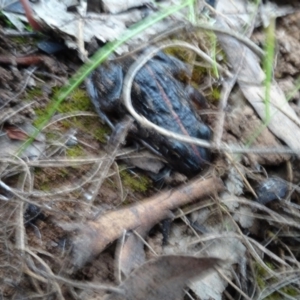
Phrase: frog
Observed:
(160, 94)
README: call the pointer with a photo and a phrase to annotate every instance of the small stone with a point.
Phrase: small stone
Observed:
(273, 188)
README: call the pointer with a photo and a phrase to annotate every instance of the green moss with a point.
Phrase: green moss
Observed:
(199, 73)
(101, 132)
(75, 151)
(215, 94)
(136, 184)
(77, 101)
(40, 117)
(274, 296)
(291, 291)
(52, 136)
(6, 21)
(44, 183)
(20, 40)
(45, 187)
(33, 93)
(261, 273)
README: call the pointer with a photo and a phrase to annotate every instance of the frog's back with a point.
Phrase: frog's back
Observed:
(161, 98)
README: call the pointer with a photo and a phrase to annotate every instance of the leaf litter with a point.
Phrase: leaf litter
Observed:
(258, 241)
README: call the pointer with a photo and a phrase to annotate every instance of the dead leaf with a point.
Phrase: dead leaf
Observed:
(284, 122)
(244, 124)
(16, 133)
(270, 10)
(14, 11)
(216, 241)
(234, 182)
(96, 235)
(130, 254)
(164, 278)
(212, 286)
(14, 138)
(104, 27)
(244, 216)
(144, 160)
(117, 6)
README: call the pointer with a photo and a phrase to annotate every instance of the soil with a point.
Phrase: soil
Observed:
(46, 234)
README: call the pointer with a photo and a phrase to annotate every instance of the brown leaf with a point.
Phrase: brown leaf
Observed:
(12, 141)
(164, 278)
(15, 133)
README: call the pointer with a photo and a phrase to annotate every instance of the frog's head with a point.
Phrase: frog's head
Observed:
(186, 158)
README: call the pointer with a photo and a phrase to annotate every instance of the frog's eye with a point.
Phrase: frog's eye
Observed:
(204, 132)
(177, 149)
(174, 155)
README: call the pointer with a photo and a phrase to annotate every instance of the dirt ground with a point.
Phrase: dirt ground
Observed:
(55, 214)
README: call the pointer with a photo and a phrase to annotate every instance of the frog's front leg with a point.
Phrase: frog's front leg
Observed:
(94, 98)
(104, 87)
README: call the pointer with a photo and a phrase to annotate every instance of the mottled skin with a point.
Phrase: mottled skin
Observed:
(158, 95)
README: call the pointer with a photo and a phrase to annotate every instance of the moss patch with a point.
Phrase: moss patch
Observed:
(139, 183)
(215, 94)
(77, 101)
(34, 93)
(75, 151)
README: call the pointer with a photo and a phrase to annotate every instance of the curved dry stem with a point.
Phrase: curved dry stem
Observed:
(190, 28)
(275, 217)
(285, 281)
(63, 162)
(16, 160)
(221, 273)
(128, 81)
(93, 286)
(48, 271)
(58, 191)
(248, 241)
(61, 117)
(66, 190)
(15, 111)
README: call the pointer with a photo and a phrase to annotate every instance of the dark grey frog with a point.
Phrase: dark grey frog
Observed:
(160, 96)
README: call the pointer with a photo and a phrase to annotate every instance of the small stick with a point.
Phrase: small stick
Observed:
(29, 15)
(27, 60)
(117, 138)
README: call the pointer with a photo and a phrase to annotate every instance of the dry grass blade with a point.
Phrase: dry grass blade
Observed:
(287, 280)
(116, 140)
(47, 271)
